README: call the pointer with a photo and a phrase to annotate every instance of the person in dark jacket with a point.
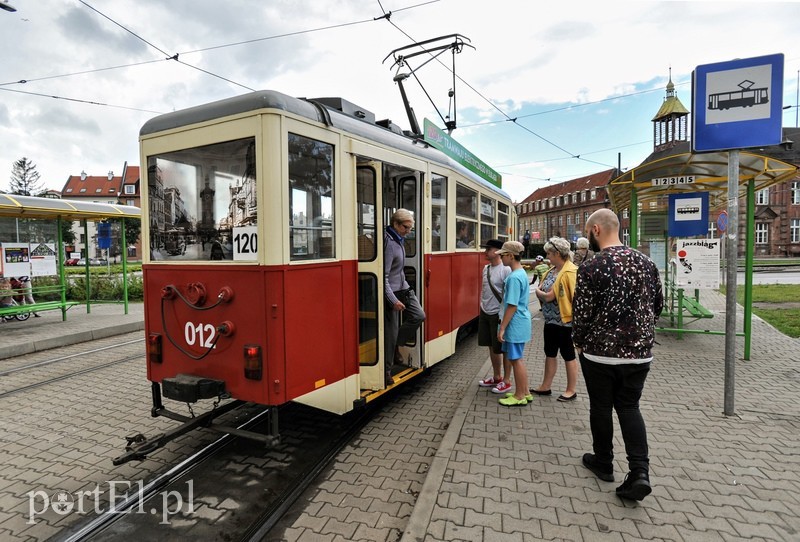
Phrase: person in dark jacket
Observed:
(618, 300)
(400, 298)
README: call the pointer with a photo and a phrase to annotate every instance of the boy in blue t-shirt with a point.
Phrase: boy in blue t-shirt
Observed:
(515, 324)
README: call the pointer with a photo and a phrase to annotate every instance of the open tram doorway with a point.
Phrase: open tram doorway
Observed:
(402, 190)
(381, 190)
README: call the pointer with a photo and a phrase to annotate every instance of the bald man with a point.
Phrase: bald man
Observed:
(617, 302)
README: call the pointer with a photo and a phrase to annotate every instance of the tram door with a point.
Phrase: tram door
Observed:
(381, 190)
(370, 273)
(401, 189)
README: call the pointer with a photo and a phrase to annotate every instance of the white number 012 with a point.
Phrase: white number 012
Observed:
(200, 334)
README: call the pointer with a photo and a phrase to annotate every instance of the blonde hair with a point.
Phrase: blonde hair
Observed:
(560, 245)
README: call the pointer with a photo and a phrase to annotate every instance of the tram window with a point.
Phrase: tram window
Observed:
(311, 222)
(368, 299)
(502, 222)
(438, 213)
(203, 203)
(365, 180)
(466, 215)
(408, 194)
(488, 209)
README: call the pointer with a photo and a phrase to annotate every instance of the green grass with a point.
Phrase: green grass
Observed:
(771, 293)
(785, 320)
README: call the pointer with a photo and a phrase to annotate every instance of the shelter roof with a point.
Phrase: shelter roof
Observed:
(33, 207)
(766, 166)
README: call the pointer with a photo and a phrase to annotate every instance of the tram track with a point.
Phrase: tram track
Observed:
(86, 357)
(259, 484)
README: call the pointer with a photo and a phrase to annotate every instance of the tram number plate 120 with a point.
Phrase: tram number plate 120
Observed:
(245, 243)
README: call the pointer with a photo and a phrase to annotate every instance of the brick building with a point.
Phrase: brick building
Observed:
(562, 209)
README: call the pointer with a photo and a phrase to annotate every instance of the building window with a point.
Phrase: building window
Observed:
(536, 206)
(585, 216)
(130, 202)
(130, 189)
(762, 197)
(560, 220)
(577, 218)
(794, 228)
(712, 229)
(796, 193)
(624, 213)
(762, 233)
(569, 220)
(626, 236)
(594, 193)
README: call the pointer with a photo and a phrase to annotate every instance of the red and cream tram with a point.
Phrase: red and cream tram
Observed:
(265, 218)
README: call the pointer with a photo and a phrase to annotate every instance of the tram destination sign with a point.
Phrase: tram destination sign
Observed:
(452, 148)
(673, 181)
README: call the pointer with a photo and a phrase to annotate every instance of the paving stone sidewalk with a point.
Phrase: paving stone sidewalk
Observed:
(446, 462)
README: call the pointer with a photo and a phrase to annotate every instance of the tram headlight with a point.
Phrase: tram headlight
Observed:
(154, 348)
(253, 364)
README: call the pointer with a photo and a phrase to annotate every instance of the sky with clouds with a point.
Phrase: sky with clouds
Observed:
(547, 92)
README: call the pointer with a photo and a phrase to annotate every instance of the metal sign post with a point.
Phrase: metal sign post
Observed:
(731, 247)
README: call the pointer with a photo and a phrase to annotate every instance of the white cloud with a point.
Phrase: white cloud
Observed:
(529, 57)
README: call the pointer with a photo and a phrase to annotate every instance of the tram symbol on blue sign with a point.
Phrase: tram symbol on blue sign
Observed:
(737, 104)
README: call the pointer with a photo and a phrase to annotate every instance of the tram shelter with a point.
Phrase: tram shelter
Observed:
(709, 173)
(15, 206)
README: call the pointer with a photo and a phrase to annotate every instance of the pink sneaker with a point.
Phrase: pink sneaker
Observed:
(488, 382)
(502, 387)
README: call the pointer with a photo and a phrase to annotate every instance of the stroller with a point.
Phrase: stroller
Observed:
(10, 296)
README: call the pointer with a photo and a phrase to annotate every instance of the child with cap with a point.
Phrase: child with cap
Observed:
(515, 323)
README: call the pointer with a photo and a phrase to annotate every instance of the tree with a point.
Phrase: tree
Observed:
(25, 178)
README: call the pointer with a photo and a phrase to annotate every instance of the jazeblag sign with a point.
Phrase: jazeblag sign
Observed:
(452, 148)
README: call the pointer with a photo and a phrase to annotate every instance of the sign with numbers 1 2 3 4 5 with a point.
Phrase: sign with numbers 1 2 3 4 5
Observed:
(672, 181)
(245, 243)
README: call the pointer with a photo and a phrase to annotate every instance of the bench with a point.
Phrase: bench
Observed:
(693, 307)
(13, 310)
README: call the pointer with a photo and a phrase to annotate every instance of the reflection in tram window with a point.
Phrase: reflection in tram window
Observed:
(466, 216)
(438, 213)
(202, 203)
(365, 181)
(311, 224)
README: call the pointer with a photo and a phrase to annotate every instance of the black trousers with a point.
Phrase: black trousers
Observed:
(617, 387)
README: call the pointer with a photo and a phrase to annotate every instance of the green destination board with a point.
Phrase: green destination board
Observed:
(452, 148)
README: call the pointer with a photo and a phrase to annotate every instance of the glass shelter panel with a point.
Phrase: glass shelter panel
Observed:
(203, 203)
(311, 222)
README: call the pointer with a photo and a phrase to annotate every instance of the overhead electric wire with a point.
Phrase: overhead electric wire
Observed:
(488, 101)
(386, 15)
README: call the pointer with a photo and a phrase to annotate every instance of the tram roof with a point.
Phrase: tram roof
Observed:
(12, 205)
(710, 172)
(311, 109)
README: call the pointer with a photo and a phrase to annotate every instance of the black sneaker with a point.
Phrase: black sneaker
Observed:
(635, 487)
(604, 473)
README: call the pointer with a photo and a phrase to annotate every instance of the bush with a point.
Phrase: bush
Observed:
(104, 288)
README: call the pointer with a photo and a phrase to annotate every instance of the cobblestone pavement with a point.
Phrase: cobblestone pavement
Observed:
(64, 435)
(443, 461)
(495, 473)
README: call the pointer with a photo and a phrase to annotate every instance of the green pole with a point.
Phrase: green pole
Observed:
(749, 243)
(124, 268)
(62, 279)
(634, 218)
(86, 265)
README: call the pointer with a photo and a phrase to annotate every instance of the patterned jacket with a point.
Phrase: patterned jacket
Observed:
(618, 300)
